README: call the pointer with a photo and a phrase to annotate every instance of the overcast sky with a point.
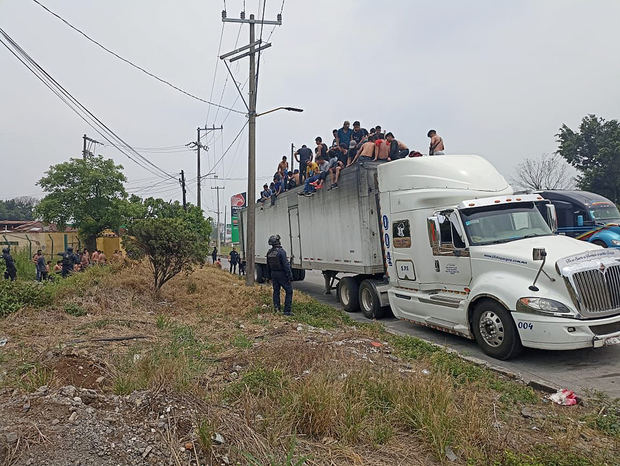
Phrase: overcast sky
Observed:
(494, 78)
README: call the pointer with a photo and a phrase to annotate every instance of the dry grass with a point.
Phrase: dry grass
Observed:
(284, 394)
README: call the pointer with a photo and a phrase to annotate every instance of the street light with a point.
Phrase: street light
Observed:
(288, 109)
(250, 250)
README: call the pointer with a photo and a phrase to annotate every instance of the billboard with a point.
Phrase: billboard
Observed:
(237, 202)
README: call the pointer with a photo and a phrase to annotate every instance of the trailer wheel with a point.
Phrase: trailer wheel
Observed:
(369, 301)
(348, 290)
(495, 331)
(260, 273)
(298, 275)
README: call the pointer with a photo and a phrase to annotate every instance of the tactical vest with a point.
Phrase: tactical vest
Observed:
(273, 260)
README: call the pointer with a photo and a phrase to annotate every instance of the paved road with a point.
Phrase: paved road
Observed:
(578, 370)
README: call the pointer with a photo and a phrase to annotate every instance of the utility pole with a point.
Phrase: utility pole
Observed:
(217, 188)
(182, 181)
(85, 151)
(254, 46)
(197, 144)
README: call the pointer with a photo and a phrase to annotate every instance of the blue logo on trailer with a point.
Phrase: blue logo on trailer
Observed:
(387, 240)
(386, 222)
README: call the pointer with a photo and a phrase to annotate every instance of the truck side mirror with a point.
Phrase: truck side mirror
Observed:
(552, 218)
(432, 225)
(579, 220)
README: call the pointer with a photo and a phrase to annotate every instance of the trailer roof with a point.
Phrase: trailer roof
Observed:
(468, 172)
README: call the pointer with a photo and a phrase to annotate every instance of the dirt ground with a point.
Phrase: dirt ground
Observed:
(206, 373)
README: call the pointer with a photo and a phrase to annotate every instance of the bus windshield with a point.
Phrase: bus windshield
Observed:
(503, 223)
(604, 212)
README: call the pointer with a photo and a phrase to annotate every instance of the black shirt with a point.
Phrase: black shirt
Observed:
(305, 153)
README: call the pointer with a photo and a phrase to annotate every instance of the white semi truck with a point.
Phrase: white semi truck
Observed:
(445, 243)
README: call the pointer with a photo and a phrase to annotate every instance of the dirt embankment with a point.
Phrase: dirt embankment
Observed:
(206, 373)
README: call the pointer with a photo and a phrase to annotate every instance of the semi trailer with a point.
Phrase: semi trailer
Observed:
(443, 242)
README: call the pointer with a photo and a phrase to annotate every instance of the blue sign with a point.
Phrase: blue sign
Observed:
(386, 239)
(386, 222)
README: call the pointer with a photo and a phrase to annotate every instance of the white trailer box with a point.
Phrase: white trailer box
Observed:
(335, 230)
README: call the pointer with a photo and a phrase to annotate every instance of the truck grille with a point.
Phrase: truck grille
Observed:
(598, 292)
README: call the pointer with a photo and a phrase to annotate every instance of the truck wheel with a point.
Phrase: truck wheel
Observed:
(598, 242)
(495, 331)
(260, 273)
(369, 301)
(348, 290)
(299, 275)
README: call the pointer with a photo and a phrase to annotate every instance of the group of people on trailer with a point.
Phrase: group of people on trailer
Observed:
(349, 146)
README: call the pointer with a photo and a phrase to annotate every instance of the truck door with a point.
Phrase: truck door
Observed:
(293, 218)
(451, 255)
(402, 257)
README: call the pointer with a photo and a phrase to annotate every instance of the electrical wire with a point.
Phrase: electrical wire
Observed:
(130, 63)
(66, 97)
(217, 62)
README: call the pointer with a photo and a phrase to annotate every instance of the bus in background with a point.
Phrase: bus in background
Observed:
(586, 216)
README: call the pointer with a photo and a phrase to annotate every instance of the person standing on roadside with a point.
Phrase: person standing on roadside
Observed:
(41, 267)
(35, 261)
(11, 271)
(214, 254)
(233, 258)
(303, 155)
(279, 270)
(436, 147)
(69, 260)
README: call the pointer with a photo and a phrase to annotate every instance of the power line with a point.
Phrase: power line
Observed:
(129, 62)
(219, 48)
(75, 105)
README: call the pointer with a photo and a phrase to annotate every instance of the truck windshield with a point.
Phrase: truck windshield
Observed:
(503, 223)
(604, 212)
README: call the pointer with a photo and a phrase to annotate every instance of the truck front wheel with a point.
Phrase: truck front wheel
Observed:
(495, 331)
(348, 290)
(369, 301)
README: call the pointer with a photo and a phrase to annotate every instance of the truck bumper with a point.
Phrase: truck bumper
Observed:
(557, 333)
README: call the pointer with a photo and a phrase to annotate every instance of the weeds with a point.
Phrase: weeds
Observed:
(37, 376)
(241, 341)
(319, 315)
(75, 310)
(204, 434)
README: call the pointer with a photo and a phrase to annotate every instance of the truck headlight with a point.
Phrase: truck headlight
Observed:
(615, 242)
(543, 306)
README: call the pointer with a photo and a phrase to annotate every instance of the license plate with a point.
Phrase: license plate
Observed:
(612, 341)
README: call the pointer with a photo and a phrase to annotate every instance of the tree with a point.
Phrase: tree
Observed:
(168, 244)
(87, 193)
(595, 151)
(549, 171)
(19, 208)
(138, 208)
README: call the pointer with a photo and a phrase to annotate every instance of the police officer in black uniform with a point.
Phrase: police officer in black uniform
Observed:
(69, 259)
(11, 271)
(279, 270)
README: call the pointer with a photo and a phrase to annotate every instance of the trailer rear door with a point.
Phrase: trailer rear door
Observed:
(293, 218)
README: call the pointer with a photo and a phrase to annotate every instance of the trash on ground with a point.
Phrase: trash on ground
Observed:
(564, 397)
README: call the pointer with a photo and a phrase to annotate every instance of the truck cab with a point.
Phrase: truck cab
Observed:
(467, 256)
(586, 216)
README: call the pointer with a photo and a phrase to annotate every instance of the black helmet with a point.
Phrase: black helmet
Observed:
(274, 240)
(70, 249)
(7, 249)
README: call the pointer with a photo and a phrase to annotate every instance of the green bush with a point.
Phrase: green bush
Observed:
(15, 295)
